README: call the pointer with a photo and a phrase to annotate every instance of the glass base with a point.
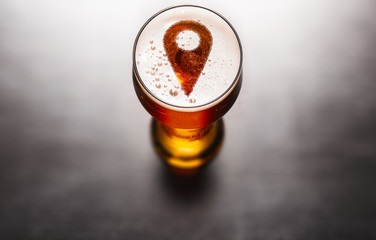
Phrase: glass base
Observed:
(187, 150)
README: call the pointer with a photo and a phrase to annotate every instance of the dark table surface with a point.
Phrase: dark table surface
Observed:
(299, 157)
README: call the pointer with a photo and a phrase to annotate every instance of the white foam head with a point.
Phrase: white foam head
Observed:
(155, 70)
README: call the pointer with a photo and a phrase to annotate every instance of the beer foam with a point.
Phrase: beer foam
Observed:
(188, 40)
(155, 70)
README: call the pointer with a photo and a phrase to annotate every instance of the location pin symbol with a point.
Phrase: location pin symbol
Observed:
(187, 64)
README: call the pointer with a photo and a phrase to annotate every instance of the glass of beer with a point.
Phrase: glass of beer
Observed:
(187, 73)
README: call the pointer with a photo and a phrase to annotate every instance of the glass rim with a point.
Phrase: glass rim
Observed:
(186, 108)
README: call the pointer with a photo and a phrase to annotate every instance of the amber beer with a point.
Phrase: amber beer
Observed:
(187, 73)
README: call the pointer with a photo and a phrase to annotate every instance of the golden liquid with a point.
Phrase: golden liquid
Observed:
(186, 141)
(187, 149)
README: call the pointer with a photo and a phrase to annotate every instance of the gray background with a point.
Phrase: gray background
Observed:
(299, 157)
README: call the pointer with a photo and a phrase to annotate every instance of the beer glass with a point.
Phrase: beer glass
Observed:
(187, 73)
